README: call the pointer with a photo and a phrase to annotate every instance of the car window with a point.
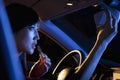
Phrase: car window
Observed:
(49, 47)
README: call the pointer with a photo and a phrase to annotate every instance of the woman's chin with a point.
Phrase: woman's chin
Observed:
(30, 52)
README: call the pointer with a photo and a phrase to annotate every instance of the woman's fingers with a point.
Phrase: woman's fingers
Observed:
(107, 10)
(45, 59)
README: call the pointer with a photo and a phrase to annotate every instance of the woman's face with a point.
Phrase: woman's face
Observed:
(26, 38)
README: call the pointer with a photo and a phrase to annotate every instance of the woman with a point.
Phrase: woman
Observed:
(25, 23)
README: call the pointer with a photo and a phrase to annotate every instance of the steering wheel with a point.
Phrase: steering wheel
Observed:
(67, 72)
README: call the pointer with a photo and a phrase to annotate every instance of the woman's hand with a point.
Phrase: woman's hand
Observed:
(41, 66)
(108, 31)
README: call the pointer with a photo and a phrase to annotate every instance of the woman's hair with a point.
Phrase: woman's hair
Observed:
(21, 16)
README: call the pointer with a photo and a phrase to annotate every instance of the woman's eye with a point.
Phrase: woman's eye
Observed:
(31, 28)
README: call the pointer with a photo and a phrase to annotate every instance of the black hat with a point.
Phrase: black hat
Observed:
(21, 16)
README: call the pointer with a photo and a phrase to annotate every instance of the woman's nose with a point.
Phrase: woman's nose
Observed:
(37, 35)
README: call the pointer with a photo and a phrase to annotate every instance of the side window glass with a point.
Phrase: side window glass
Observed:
(49, 47)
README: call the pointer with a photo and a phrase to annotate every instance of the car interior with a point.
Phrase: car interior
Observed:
(68, 33)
